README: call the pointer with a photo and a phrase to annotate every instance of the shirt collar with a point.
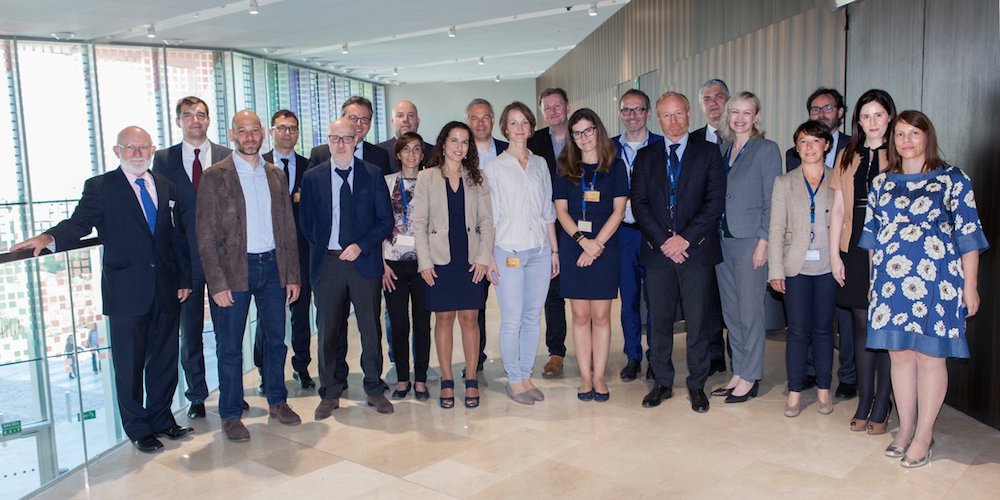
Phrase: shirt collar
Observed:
(205, 146)
(682, 141)
(131, 178)
(242, 165)
(644, 143)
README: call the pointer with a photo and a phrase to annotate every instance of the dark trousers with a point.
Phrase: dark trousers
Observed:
(301, 332)
(144, 350)
(666, 284)
(338, 286)
(264, 286)
(192, 354)
(847, 372)
(408, 298)
(809, 305)
(555, 320)
(717, 346)
(633, 290)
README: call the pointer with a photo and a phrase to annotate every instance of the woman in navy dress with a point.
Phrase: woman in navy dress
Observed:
(590, 195)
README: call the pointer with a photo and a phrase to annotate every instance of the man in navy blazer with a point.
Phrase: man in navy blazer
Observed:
(345, 215)
(183, 164)
(359, 110)
(678, 193)
(146, 275)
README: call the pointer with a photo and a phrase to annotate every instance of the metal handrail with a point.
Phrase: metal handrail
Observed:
(7, 257)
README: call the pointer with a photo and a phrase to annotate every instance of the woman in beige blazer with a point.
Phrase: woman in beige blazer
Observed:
(453, 229)
(798, 257)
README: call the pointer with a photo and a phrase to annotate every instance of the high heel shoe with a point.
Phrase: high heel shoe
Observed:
(471, 401)
(792, 411)
(825, 408)
(858, 425)
(401, 394)
(911, 463)
(732, 398)
(879, 428)
(449, 401)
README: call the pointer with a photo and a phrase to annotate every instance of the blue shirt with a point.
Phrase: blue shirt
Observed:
(257, 198)
(336, 181)
(556, 145)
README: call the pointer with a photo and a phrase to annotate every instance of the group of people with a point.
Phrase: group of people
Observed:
(873, 229)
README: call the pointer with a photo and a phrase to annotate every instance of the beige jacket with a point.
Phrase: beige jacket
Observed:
(788, 237)
(843, 181)
(430, 220)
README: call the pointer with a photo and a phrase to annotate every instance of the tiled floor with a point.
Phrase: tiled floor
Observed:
(559, 448)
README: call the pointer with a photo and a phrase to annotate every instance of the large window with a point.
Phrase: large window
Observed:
(200, 74)
(131, 93)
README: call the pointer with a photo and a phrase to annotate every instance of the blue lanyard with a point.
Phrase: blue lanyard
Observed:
(729, 153)
(583, 189)
(812, 202)
(402, 195)
(675, 175)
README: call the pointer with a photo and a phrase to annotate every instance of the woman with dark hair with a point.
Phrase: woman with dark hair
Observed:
(401, 282)
(590, 194)
(453, 229)
(799, 264)
(853, 171)
(924, 237)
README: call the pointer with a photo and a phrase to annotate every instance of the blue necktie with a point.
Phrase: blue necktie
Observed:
(147, 203)
(346, 208)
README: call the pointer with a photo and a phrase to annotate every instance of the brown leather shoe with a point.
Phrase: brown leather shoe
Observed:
(235, 430)
(381, 404)
(284, 414)
(553, 368)
(326, 407)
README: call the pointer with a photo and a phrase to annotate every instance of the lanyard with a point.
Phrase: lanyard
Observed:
(583, 189)
(729, 153)
(402, 195)
(675, 176)
(812, 203)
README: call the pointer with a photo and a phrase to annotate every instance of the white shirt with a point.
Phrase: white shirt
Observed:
(359, 152)
(522, 202)
(204, 155)
(711, 134)
(257, 197)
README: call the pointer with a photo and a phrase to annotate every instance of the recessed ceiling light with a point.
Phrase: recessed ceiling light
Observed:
(253, 8)
(151, 31)
(270, 50)
(63, 35)
(593, 10)
(482, 60)
(172, 41)
(344, 49)
(395, 71)
(497, 79)
(451, 32)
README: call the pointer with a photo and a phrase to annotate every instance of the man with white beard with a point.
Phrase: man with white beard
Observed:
(146, 274)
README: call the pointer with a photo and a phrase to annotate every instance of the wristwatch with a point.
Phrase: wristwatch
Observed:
(577, 236)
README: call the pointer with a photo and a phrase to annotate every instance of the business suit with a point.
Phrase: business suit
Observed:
(141, 273)
(169, 163)
(792, 160)
(700, 192)
(372, 154)
(702, 135)
(390, 145)
(334, 281)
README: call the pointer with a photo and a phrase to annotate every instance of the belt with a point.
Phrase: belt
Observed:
(268, 255)
(631, 225)
(335, 253)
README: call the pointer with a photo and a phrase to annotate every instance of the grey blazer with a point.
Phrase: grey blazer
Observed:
(748, 188)
(430, 220)
(789, 231)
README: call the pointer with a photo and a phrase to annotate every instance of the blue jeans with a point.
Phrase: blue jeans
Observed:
(521, 293)
(809, 305)
(230, 323)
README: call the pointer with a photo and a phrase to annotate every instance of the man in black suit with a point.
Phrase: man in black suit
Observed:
(713, 95)
(359, 110)
(183, 165)
(146, 275)
(284, 137)
(548, 143)
(404, 119)
(678, 193)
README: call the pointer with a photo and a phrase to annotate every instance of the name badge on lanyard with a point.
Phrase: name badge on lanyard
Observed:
(812, 254)
(591, 195)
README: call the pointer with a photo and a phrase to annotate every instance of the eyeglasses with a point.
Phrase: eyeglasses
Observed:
(587, 132)
(632, 111)
(364, 120)
(341, 139)
(822, 109)
(284, 129)
(130, 149)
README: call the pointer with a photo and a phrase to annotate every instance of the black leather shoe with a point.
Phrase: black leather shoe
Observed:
(305, 381)
(175, 432)
(246, 406)
(631, 370)
(846, 391)
(752, 393)
(196, 410)
(717, 366)
(699, 401)
(657, 395)
(148, 444)
(650, 376)
(809, 383)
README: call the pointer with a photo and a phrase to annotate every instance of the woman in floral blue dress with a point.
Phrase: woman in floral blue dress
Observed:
(924, 236)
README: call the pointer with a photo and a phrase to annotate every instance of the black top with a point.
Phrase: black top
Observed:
(866, 173)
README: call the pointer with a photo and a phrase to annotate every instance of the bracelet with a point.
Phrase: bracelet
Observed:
(577, 236)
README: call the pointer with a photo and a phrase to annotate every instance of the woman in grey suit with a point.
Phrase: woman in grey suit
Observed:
(798, 258)
(752, 164)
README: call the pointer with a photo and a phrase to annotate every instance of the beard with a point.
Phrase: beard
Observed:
(136, 167)
(248, 148)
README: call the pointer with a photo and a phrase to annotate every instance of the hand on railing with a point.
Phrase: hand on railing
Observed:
(36, 244)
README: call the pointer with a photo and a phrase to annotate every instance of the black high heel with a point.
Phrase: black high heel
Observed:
(471, 401)
(401, 394)
(447, 402)
(732, 398)
(423, 395)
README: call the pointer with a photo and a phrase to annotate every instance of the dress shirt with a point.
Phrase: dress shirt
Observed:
(484, 156)
(711, 134)
(359, 153)
(147, 178)
(257, 197)
(832, 155)
(291, 167)
(336, 181)
(204, 154)
(680, 151)
(557, 146)
(522, 202)
(629, 152)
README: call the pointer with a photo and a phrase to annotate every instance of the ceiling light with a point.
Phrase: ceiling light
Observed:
(308, 60)
(270, 50)
(593, 10)
(63, 35)
(482, 60)
(395, 71)
(151, 31)
(497, 79)
(451, 32)
(344, 49)
(172, 41)
(253, 8)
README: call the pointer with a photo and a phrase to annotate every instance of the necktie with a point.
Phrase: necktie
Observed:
(196, 170)
(675, 174)
(346, 208)
(147, 203)
(288, 178)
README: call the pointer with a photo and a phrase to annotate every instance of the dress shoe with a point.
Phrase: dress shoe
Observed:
(401, 393)
(657, 395)
(752, 393)
(537, 394)
(284, 414)
(148, 444)
(522, 397)
(809, 383)
(602, 397)
(305, 381)
(846, 391)
(717, 366)
(553, 368)
(896, 451)
(326, 407)
(235, 430)
(423, 395)
(585, 395)
(912, 463)
(196, 410)
(175, 432)
(699, 401)
(631, 370)
(380, 403)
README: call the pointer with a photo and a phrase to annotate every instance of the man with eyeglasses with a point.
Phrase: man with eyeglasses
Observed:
(146, 276)
(359, 111)
(633, 110)
(404, 119)
(183, 164)
(345, 214)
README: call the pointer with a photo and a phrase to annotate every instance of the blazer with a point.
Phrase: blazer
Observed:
(699, 135)
(700, 198)
(372, 218)
(792, 160)
(748, 188)
(500, 146)
(221, 228)
(168, 163)
(138, 268)
(653, 139)
(389, 145)
(372, 153)
(843, 181)
(301, 165)
(789, 230)
(541, 145)
(430, 220)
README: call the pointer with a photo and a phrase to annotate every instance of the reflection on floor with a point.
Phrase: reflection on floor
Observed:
(559, 448)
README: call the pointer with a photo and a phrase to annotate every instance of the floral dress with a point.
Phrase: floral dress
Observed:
(918, 226)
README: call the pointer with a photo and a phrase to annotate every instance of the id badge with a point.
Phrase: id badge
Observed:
(171, 204)
(406, 241)
(585, 226)
(296, 197)
(592, 196)
(812, 255)
(514, 262)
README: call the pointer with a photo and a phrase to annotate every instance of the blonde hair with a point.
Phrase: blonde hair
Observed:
(727, 133)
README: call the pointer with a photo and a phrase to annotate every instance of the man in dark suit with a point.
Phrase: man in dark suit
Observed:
(284, 137)
(713, 96)
(345, 215)
(678, 193)
(404, 119)
(183, 164)
(146, 275)
(359, 111)
(548, 143)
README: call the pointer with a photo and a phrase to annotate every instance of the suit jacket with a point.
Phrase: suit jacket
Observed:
(699, 135)
(700, 198)
(792, 160)
(301, 165)
(541, 145)
(389, 145)
(372, 153)
(168, 163)
(749, 186)
(430, 220)
(221, 228)
(500, 146)
(789, 231)
(138, 268)
(653, 139)
(372, 218)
